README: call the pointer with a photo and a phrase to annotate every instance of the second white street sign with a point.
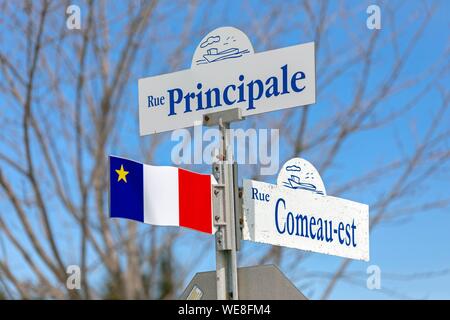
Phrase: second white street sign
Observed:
(297, 213)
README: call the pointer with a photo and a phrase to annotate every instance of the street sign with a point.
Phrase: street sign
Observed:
(265, 282)
(226, 73)
(297, 213)
(228, 81)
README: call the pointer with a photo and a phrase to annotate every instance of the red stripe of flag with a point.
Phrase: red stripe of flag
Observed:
(194, 194)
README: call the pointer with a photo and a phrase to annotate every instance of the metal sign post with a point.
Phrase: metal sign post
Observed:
(226, 215)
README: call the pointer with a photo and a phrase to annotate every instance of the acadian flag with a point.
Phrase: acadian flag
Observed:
(165, 196)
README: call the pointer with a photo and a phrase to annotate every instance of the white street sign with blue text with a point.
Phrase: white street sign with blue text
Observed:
(226, 73)
(297, 213)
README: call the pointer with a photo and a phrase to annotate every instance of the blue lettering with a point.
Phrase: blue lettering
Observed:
(284, 79)
(340, 228)
(226, 99)
(328, 231)
(353, 233)
(254, 193)
(172, 101)
(290, 223)
(312, 222)
(347, 232)
(187, 103)
(251, 93)
(276, 215)
(319, 230)
(272, 90)
(155, 101)
(295, 77)
(302, 223)
(199, 97)
(209, 103)
(150, 101)
(241, 89)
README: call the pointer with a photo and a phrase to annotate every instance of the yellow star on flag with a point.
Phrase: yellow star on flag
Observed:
(122, 174)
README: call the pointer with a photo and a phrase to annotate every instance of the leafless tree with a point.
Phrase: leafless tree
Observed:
(68, 99)
(370, 108)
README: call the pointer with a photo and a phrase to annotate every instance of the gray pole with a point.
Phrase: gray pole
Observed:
(229, 208)
(224, 208)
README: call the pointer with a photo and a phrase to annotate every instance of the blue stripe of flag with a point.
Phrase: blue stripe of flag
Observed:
(126, 199)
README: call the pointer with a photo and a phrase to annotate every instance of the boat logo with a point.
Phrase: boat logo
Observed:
(299, 174)
(222, 44)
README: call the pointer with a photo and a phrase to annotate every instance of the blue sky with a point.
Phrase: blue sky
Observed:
(407, 250)
(414, 247)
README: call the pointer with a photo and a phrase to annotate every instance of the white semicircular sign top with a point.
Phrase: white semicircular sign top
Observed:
(222, 44)
(300, 174)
